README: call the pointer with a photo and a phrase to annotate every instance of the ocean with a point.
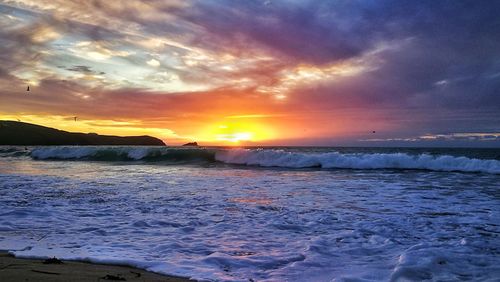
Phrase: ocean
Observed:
(258, 214)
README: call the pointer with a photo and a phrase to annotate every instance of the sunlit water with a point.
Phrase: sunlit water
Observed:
(204, 218)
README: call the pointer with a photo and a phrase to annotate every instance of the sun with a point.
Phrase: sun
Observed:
(235, 137)
(236, 132)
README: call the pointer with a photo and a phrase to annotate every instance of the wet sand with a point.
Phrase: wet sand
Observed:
(14, 269)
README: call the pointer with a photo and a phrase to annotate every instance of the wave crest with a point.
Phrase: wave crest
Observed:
(123, 154)
(272, 158)
(280, 158)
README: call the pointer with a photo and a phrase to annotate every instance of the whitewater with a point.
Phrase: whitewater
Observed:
(304, 158)
(258, 214)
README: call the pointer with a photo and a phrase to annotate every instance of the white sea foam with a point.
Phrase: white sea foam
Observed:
(275, 158)
(122, 153)
(280, 158)
(138, 153)
(231, 223)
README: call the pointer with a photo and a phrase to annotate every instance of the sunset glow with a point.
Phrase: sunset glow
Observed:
(296, 73)
(236, 132)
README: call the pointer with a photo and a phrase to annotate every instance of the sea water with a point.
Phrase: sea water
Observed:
(258, 214)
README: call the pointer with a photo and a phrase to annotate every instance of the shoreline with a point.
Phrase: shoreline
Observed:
(21, 269)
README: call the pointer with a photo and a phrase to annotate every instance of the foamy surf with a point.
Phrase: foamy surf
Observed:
(273, 158)
(279, 158)
(239, 222)
(125, 153)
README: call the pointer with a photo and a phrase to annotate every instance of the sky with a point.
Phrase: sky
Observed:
(311, 73)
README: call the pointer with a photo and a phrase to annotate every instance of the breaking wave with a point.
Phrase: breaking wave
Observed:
(272, 158)
(279, 158)
(124, 154)
(13, 151)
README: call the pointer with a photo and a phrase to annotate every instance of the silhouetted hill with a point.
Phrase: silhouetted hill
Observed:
(21, 133)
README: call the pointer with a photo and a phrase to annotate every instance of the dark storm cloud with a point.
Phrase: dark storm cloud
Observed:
(308, 31)
(455, 42)
(447, 58)
(322, 31)
(448, 55)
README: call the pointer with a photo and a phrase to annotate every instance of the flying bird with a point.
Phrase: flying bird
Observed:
(28, 89)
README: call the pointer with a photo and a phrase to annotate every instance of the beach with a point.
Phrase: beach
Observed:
(14, 269)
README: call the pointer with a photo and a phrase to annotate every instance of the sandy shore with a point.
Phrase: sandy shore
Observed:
(14, 269)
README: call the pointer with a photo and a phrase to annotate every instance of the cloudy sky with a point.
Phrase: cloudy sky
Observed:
(256, 72)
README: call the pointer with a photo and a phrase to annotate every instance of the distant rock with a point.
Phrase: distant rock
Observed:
(191, 144)
(21, 133)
